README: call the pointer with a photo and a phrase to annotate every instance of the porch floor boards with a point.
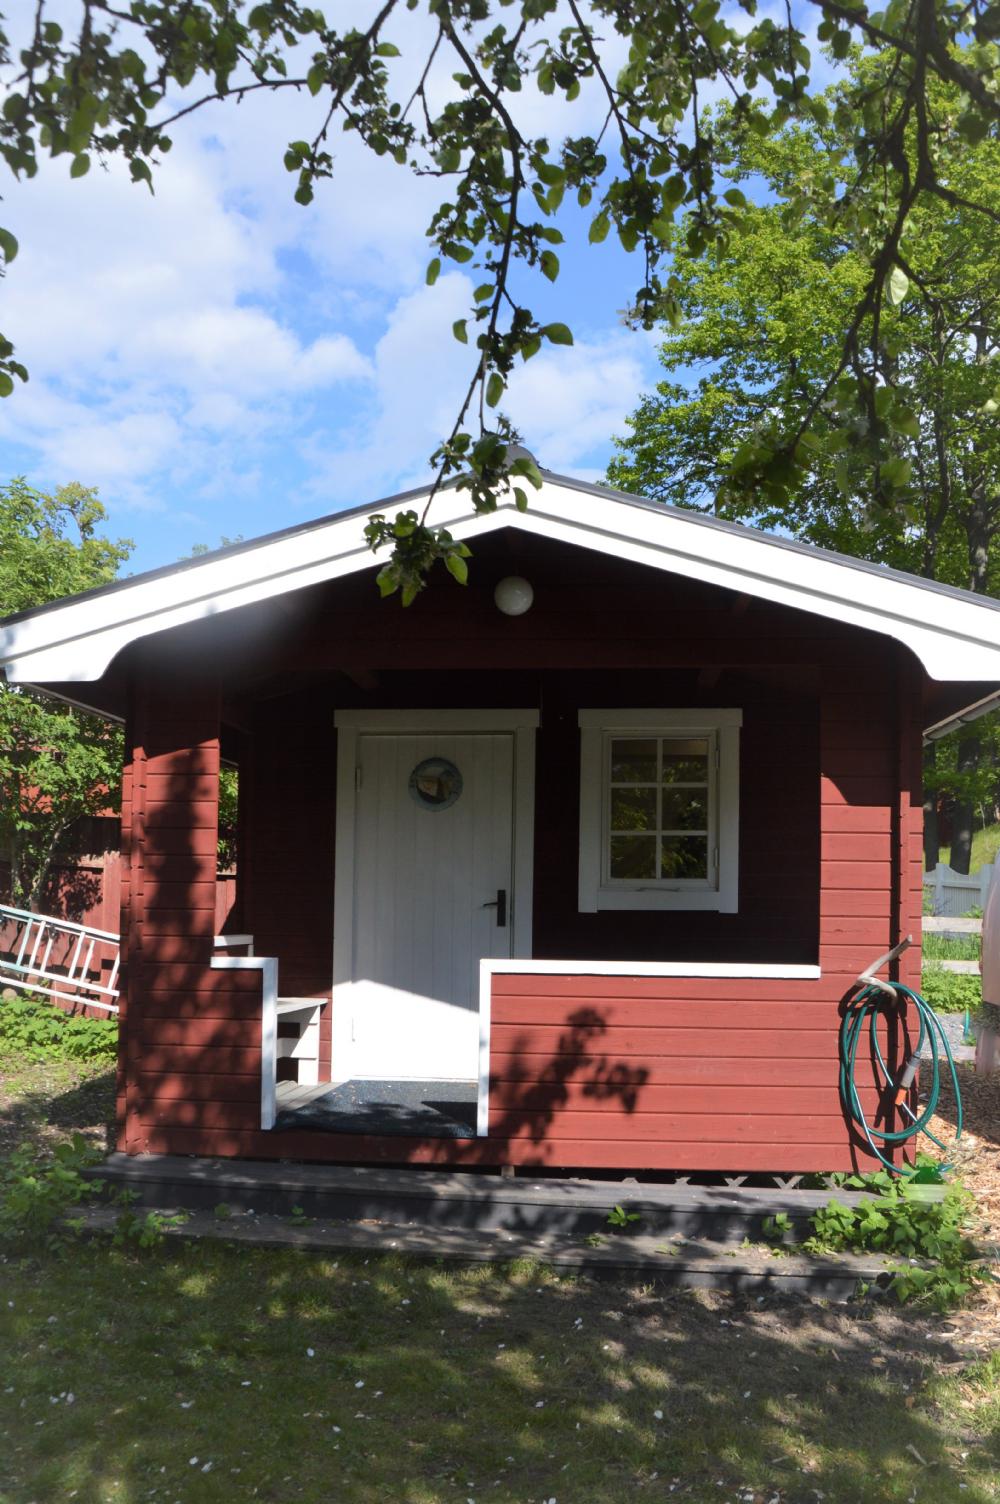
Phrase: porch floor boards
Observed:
(425, 1109)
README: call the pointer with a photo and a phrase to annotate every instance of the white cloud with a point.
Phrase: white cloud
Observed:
(568, 403)
(221, 353)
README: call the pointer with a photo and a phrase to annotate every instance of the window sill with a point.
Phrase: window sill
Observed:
(662, 898)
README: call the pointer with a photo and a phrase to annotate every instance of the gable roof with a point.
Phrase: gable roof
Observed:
(954, 633)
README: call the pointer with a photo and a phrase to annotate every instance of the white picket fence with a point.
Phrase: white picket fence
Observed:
(955, 893)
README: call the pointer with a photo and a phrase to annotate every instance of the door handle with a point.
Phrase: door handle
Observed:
(500, 904)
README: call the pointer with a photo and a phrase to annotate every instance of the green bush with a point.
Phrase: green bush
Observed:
(37, 1192)
(38, 1030)
(902, 1221)
(951, 991)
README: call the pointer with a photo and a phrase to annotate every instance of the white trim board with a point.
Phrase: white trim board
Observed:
(955, 634)
(750, 970)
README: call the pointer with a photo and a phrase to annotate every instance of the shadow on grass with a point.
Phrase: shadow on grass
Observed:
(42, 1102)
(208, 1373)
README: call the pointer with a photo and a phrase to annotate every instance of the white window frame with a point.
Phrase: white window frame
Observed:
(597, 891)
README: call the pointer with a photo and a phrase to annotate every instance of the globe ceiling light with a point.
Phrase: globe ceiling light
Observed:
(513, 595)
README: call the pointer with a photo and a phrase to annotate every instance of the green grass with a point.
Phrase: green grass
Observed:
(942, 948)
(985, 848)
(203, 1373)
(950, 991)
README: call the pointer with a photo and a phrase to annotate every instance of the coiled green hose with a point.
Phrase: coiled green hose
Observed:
(861, 1014)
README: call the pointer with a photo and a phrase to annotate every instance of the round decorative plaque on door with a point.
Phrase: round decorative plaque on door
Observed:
(435, 783)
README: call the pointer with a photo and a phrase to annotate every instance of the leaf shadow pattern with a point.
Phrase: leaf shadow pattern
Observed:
(207, 1372)
(528, 1101)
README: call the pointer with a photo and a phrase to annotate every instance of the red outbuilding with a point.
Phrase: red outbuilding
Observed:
(572, 867)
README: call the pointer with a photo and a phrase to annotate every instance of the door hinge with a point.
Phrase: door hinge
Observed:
(358, 777)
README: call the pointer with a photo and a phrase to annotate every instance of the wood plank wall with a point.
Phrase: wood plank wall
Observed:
(287, 793)
(169, 842)
(709, 1074)
(634, 1073)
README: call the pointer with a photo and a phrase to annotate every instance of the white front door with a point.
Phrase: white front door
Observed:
(432, 896)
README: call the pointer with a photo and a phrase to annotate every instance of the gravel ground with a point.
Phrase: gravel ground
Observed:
(953, 1025)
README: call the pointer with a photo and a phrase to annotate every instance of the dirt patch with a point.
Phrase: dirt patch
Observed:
(46, 1102)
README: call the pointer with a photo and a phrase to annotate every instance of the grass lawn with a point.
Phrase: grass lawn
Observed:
(200, 1373)
(944, 948)
(985, 848)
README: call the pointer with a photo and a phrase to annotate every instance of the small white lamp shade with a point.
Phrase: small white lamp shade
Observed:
(513, 595)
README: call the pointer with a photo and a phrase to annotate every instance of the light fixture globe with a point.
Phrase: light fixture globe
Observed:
(513, 595)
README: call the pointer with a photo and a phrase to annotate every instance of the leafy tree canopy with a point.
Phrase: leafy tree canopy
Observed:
(910, 475)
(57, 764)
(449, 98)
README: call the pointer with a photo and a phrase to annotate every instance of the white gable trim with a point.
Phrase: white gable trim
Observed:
(954, 635)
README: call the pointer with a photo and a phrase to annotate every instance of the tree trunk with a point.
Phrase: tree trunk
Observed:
(932, 834)
(963, 819)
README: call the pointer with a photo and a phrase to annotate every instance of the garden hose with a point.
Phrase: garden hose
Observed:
(862, 1015)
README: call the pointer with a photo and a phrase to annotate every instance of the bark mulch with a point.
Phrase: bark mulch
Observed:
(976, 1161)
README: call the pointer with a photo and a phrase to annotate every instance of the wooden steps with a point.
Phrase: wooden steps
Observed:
(436, 1199)
(665, 1261)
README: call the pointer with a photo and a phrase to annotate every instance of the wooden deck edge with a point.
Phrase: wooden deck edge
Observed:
(674, 1262)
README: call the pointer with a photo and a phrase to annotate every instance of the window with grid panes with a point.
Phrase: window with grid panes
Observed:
(659, 810)
(659, 804)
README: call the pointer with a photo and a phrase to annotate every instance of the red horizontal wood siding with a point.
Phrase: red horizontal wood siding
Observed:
(628, 1073)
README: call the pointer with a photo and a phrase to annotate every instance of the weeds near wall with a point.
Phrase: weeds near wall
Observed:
(37, 1030)
(37, 1195)
(941, 1267)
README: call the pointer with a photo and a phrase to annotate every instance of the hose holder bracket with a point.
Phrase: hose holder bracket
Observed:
(867, 978)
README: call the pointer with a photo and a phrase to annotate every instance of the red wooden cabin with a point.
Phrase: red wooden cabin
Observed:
(579, 887)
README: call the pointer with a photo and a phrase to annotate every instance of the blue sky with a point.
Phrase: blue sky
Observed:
(220, 361)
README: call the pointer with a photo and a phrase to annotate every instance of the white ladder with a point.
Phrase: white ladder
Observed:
(72, 962)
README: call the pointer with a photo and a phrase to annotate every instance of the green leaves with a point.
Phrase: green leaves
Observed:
(670, 179)
(549, 263)
(457, 568)
(897, 286)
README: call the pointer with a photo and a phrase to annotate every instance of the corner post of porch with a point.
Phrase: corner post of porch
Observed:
(170, 810)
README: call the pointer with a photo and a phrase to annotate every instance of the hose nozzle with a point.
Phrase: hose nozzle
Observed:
(906, 1079)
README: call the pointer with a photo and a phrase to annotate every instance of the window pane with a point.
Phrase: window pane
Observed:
(633, 856)
(633, 809)
(633, 760)
(685, 761)
(685, 809)
(684, 856)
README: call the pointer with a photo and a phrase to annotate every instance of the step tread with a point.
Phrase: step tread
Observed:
(671, 1257)
(245, 1176)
